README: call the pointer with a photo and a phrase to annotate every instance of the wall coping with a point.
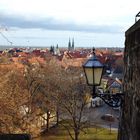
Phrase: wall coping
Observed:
(133, 28)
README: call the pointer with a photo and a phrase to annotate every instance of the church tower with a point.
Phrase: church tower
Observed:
(72, 47)
(69, 45)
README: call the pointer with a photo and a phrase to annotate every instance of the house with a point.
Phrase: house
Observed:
(97, 102)
(69, 60)
(114, 86)
(103, 84)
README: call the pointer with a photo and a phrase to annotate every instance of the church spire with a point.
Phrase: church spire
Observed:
(72, 44)
(69, 45)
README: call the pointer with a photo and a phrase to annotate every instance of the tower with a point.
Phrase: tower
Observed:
(72, 47)
(69, 45)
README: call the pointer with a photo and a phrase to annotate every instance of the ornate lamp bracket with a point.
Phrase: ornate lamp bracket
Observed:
(113, 100)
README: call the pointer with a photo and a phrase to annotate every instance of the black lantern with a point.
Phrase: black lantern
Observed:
(93, 69)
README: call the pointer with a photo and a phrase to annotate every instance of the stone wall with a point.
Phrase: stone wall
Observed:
(130, 117)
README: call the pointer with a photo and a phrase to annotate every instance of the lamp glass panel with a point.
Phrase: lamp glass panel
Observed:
(97, 75)
(89, 75)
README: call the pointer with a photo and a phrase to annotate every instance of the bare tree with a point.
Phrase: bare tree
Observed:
(12, 98)
(22, 100)
(73, 103)
(25, 97)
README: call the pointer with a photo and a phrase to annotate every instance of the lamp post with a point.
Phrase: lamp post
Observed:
(93, 70)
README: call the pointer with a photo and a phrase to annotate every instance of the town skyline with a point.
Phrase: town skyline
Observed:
(45, 23)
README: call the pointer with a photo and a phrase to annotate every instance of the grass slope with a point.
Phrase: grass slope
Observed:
(93, 133)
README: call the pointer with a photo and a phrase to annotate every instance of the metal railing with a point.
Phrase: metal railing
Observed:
(137, 16)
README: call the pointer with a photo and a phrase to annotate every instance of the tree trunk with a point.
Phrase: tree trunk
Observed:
(110, 127)
(57, 115)
(48, 118)
(57, 118)
(76, 135)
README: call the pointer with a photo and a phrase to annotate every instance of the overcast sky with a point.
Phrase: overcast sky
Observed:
(48, 22)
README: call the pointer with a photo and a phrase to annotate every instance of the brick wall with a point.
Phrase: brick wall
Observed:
(130, 117)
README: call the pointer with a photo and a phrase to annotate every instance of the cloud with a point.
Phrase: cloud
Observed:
(53, 24)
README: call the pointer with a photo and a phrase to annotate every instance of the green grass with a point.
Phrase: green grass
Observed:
(60, 133)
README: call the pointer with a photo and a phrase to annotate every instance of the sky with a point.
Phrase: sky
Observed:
(99, 23)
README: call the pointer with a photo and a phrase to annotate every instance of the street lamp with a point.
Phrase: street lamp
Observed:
(93, 70)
